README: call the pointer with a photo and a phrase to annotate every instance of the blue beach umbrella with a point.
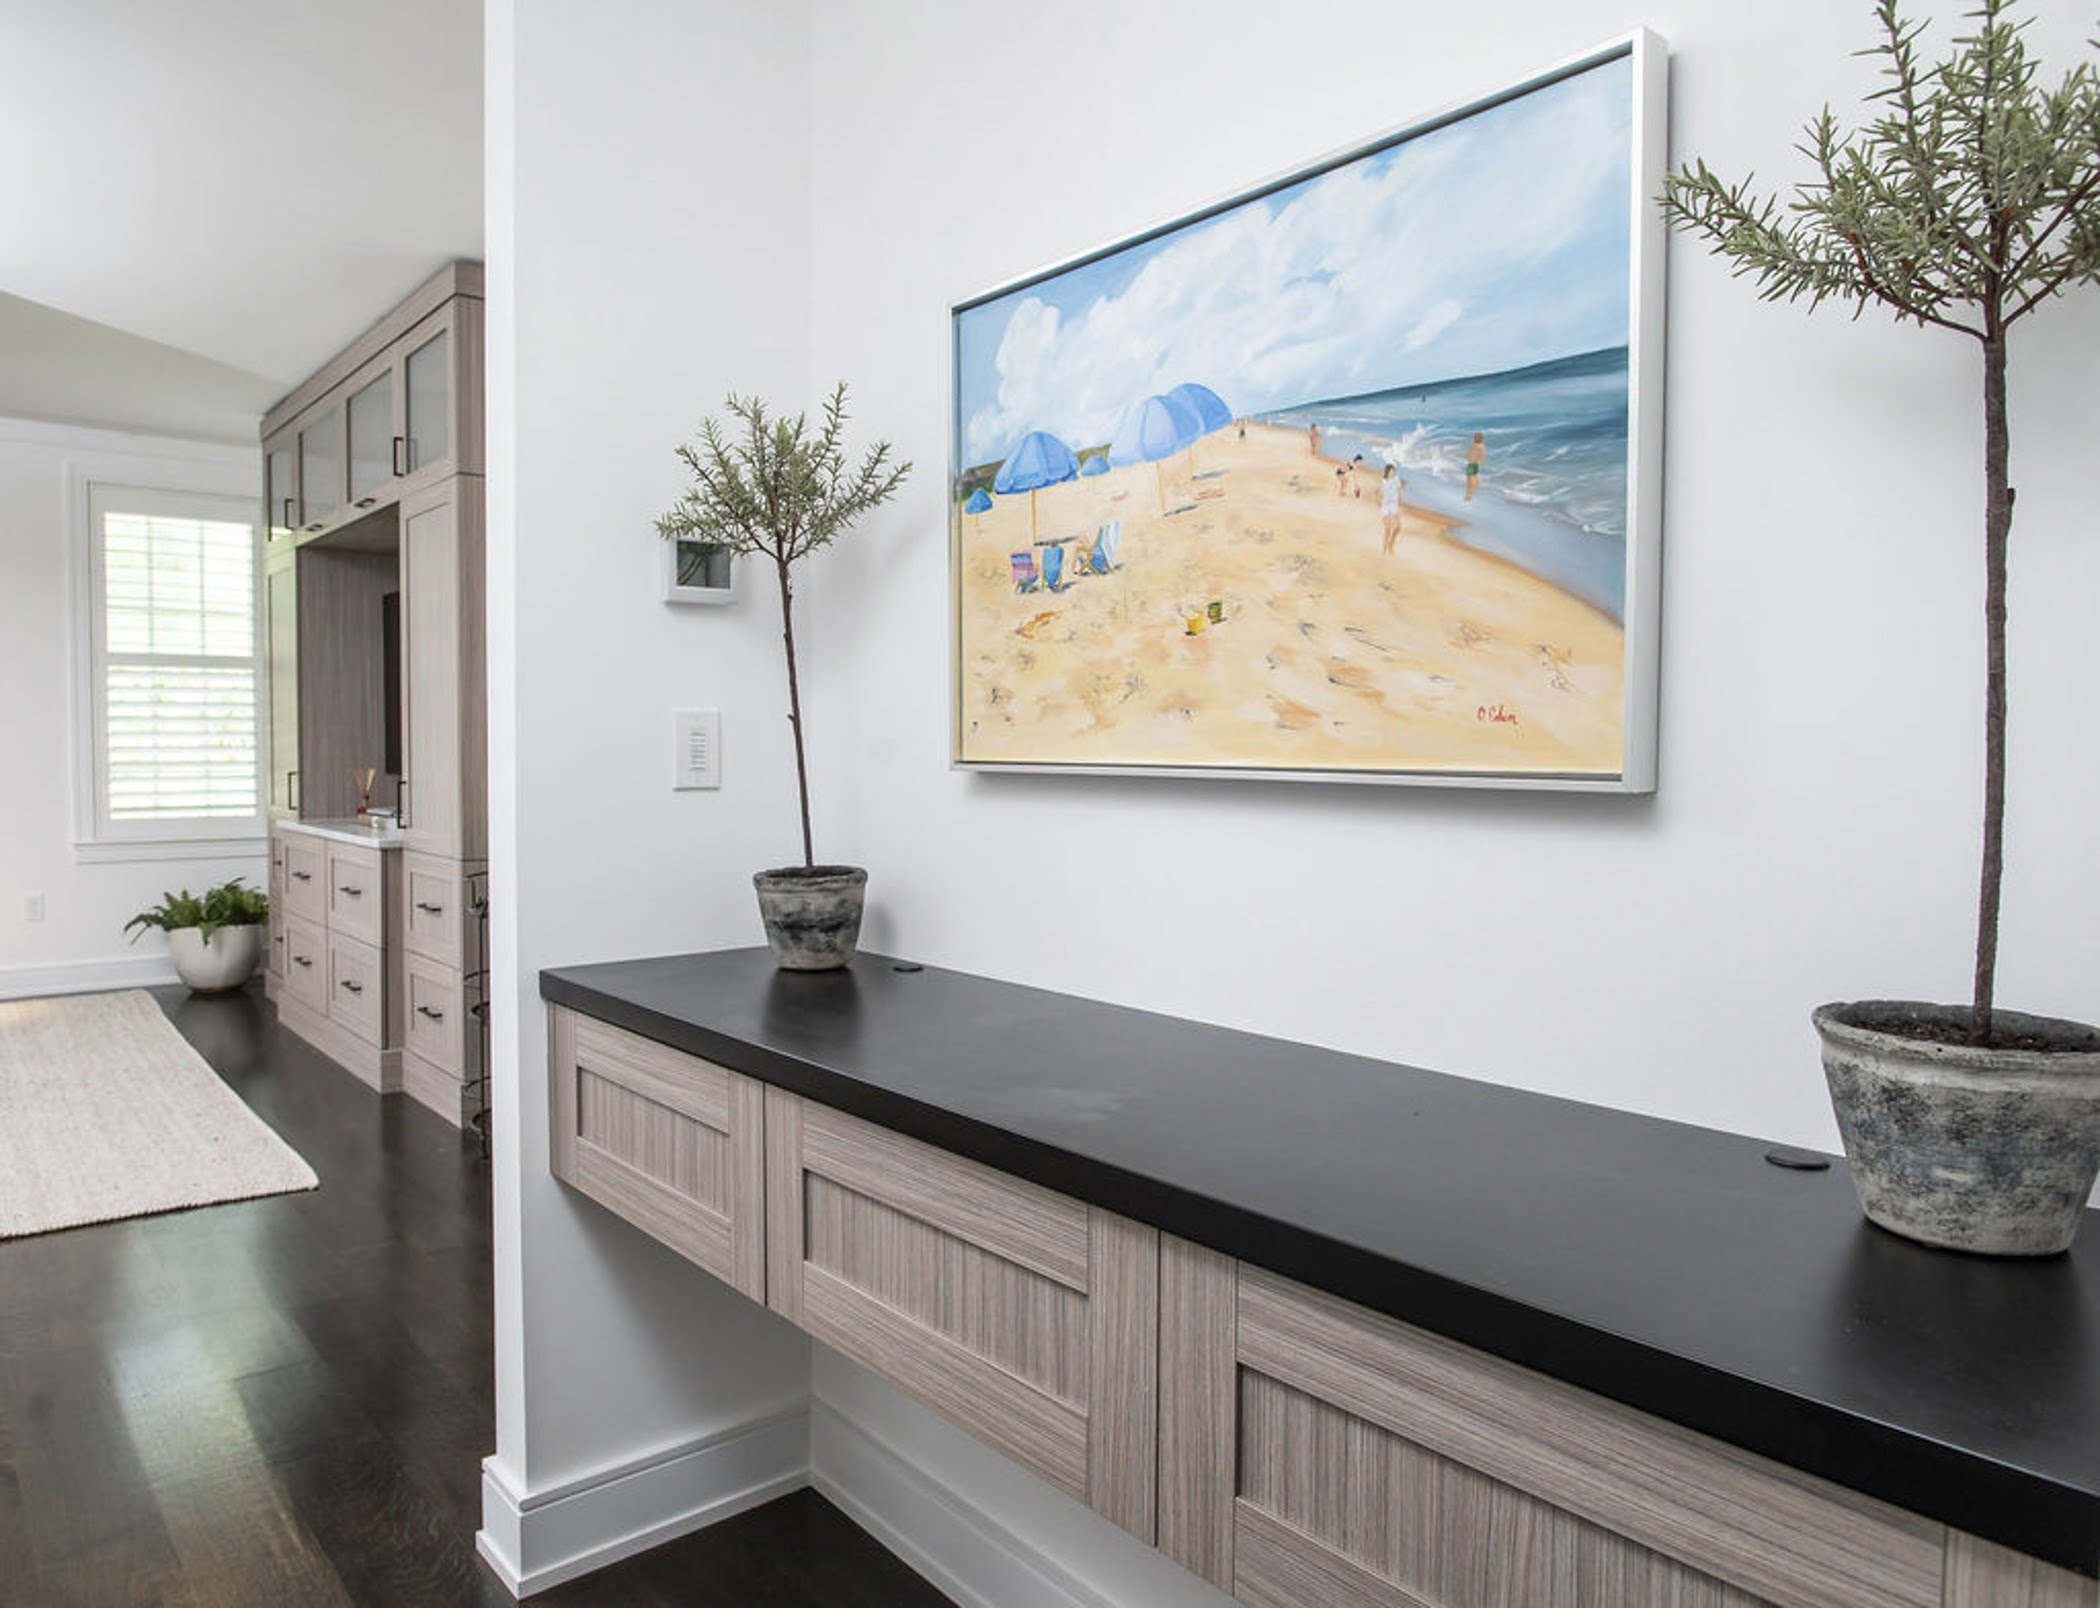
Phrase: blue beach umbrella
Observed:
(1096, 465)
(1156, 428)
(1209, 408)
(1039, 459)
(977, 503)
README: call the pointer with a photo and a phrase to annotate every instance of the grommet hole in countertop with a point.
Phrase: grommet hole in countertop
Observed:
(1798, 1160)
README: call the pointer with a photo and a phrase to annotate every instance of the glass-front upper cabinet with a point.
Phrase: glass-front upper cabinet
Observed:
(429, 419)
(374, 443)
(280, 493)
(320, 469)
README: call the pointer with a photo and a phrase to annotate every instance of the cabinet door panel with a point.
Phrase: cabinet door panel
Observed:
(306, 963)
(1458, 1478)
(1029, 1319)
(430, 625)
(356, 893)
(306, 877)
(281, 656)
(672, 1143)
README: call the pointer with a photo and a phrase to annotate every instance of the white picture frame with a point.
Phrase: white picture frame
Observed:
(676, 568)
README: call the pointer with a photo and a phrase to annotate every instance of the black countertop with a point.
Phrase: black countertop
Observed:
(1668, 1267)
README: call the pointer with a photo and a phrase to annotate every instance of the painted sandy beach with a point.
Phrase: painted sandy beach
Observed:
(1329, 653)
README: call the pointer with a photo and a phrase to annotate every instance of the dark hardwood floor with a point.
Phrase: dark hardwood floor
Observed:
(285, 1402)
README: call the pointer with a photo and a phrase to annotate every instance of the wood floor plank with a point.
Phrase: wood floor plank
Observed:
(284, 1403)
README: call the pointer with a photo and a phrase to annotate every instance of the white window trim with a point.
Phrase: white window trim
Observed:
(213, 472)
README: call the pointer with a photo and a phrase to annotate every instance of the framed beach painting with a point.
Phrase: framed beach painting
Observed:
(1352, 476)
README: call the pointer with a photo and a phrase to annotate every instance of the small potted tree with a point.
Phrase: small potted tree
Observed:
(776, 489)
(1968, 203)
(214, 939)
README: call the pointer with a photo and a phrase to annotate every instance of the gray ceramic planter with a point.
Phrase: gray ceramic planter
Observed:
(812, 915)
(1993, 1151)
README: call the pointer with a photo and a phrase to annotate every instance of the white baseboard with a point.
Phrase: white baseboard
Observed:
(537, 1540)
(935, 1528)
(86, 976)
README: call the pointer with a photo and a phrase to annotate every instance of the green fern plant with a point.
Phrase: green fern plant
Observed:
(778, 490)
(1971, 200)
(231, 904)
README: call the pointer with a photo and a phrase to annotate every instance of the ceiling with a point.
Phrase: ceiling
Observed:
(248, 182)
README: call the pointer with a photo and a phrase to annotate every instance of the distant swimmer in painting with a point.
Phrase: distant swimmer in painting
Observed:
(1312, 435)
(1476, 460)
(1389, 504)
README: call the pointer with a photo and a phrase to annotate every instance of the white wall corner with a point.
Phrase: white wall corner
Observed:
(956, 1542)
(86, 976)
(536, 1540)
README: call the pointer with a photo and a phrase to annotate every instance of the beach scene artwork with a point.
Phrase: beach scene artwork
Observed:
(1338, 478)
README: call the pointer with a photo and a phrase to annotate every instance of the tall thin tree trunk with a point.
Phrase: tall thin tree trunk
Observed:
(787, 632)
(1998, 506)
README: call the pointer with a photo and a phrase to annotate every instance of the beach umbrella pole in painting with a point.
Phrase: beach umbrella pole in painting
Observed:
(1038, 459)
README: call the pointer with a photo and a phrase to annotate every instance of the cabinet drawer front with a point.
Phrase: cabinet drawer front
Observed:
(436, 920)
(305, 877)
(1029, 1319)
(306, 963)
(435, 1023)
(674, 1144)
(276, 962)
(356, 893)
(1359, 1436)
(357, 987)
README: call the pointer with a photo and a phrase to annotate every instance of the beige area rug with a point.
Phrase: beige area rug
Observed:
(106, 1112)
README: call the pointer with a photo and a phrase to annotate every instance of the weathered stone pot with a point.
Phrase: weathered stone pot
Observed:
(224, 963)
(1985, 1150)
(812, 914)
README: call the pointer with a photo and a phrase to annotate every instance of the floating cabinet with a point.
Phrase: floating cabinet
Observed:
(671, 1143)
(1323, 1453)
(320, 469)
(375, 442)
(1026, 1317)
(280, 489)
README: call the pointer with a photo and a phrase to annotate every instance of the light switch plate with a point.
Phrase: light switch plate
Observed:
(697, 749)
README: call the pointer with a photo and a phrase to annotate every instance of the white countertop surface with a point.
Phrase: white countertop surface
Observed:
(382, 835)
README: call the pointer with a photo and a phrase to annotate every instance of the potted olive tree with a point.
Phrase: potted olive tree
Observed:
(1969, 202)
(778, 490)
(214, 938)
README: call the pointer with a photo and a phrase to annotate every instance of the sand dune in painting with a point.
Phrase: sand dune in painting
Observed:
(1330, 653)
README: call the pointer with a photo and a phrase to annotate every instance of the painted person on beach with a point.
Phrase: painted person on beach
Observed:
(1476, 460)
(1356, 475)
(1389, 504)
(1312, 435)
(1341, 480)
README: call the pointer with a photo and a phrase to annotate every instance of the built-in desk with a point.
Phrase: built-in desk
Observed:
(1398, 1318)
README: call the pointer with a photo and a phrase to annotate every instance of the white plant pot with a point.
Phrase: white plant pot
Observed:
(225, 963)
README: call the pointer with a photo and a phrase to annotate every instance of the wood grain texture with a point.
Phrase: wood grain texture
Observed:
(1122, 1410)
(306, 878)
(786, 1243)
(1323, 1488)
(654, 1136)
(342, 675)
(432, 1088)
(1198, 1363)
(1031, 1426)
(454, 279)
(357, 988)
(431, 605)
(1768, 1530)
(306, 962)
(1019, 1221)
(1982, 1574)
(434, 1022)
(1030, 1326)
(356, 892)
(434, 902)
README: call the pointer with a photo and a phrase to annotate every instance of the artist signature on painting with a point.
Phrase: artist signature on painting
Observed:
(1496, 714)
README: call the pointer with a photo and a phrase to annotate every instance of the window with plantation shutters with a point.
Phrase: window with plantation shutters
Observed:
(176, 666)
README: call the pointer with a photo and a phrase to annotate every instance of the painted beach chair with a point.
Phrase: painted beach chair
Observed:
(1025, 577)
(1054, 568)
(1106, 540)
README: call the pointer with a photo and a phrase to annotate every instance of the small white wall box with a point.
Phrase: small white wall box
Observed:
(697, 757)
(697, 572)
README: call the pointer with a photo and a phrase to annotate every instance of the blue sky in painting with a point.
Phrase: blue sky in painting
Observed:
(1494, 242)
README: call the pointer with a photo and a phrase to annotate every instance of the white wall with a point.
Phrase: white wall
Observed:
(1813, 834)
(648, 249)
(80, 942)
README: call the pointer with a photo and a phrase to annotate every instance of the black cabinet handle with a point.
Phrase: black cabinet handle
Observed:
(350, 987)
(302, 876)
(401, 791)
(425, 1010)
(288, 520)
(291, 786)
(366, 502)
(301, 960)
(355, 893)
(430, 909)
(400, 451)
(317, 524)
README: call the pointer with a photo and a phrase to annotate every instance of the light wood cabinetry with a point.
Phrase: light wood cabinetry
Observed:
(1028, 1318)
(339, 982)
(1284, 1444)
(372, 471)
(673, 1144)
